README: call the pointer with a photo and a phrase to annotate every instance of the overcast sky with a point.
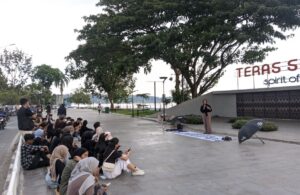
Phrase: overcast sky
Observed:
(45, 30)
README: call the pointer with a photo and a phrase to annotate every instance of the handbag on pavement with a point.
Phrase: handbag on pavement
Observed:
(109, 167)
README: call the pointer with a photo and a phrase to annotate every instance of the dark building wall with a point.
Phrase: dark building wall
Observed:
(272, 104)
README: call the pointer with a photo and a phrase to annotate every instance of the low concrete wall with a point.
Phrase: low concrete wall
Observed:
(13, 183)
(223, 105)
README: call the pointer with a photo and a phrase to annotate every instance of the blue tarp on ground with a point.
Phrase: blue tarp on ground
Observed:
(197, 135)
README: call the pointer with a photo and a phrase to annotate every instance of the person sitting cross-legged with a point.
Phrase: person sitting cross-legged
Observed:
(32, 156)
(120, 159)
(85, 178)
(78, 154)
(57, 165)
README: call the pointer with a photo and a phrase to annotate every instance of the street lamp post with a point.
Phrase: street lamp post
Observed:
(132, 106)
(164, 97)
(155, 96)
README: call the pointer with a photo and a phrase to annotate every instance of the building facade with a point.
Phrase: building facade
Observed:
(279, 103)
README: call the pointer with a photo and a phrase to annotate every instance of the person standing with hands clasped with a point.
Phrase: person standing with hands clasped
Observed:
(206, 116)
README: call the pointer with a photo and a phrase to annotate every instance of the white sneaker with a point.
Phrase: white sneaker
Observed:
(138, 172)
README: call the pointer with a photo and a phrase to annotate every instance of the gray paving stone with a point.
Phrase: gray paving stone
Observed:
(180, 165)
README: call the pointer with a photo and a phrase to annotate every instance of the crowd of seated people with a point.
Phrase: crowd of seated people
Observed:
(75, 155)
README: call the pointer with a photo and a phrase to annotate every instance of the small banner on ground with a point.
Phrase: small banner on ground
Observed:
(197, 135)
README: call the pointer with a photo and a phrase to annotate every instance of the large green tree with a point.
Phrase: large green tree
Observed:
(16, 66)
(105, 61)
(80, 97)
(38, 94)
(199, 38)
(45, 75)
(9, 97)
(61, 81)
(3, 82)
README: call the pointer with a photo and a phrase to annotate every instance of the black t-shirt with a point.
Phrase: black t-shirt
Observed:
(113, 157)
(25, 119)
(206, 109)
(61, 111)
(59, 167)
(48, 109)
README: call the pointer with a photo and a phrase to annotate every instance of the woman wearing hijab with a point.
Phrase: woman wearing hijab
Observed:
(57, 162)
(206, 116)
(84, 178)
(120, 159)
(97, 134)
(78, 154)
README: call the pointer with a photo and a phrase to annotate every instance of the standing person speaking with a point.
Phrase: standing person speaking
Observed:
(25, 117)
(206, 116)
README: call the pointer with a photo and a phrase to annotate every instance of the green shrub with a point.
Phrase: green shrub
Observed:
(239, 123)
(193, 119)
(268, 126)
(233, 120)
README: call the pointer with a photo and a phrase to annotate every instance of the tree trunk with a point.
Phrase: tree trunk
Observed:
(177, 79)
(112, 106)
(193, 88)
(62, 94)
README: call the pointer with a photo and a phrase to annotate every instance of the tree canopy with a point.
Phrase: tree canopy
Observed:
(197, 38)
(106, 62)
(46, 75)
(80, 97)
(16, 66)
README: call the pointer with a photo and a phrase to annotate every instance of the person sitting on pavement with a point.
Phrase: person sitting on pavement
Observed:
(84, 128)
(78, 154)
(98, 131)
(88, 143)
(101, 147)
(60, 123)
(120, 159)
(77, 127)
(32, 156)
(39, 135)
(55, 141)
(57, 163)
(85, 178)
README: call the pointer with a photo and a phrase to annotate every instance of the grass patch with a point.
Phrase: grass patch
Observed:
(193, 119)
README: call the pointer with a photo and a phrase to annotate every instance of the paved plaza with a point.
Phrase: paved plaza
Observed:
(181, 165)
(176, 164)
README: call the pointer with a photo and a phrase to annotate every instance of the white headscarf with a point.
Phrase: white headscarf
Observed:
(85, 167)
(99, 130)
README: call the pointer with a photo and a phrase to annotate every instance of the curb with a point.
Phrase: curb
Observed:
(12, 167)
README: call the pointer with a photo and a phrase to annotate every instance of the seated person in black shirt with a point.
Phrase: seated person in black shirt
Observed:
(120, 159)
(33, 157)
